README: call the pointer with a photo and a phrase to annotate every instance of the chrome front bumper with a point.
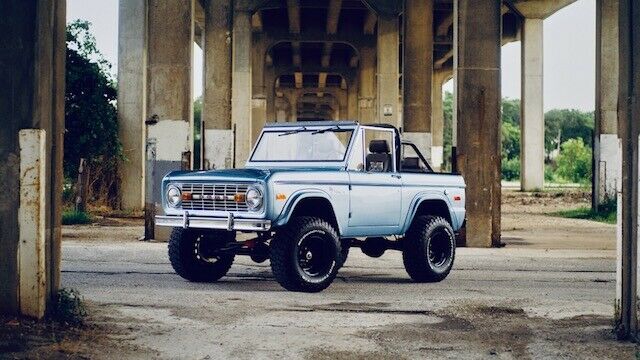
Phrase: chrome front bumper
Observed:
(229, 223)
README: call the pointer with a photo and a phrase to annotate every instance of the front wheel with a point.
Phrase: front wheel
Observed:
(194, 255)
(306, 255)
(429, 249)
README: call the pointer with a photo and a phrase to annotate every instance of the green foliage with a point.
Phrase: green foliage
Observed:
(69, 307)
(574, 161)
(447, 105)
(511, 111)
(511, 169)
(91, 126)
(564, 124)
(73, 217)
(510, 140)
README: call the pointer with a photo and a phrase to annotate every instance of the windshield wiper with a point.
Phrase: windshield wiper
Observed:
(290, 132)
(335, 128)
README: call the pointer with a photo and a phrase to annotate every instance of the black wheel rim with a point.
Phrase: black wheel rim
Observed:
(314, 255)
(205, 250)
(440, 248)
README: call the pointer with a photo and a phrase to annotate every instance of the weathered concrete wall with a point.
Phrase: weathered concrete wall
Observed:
(32, 56)
(478, 33)
(132, 91)
(241, 84)
(532, 109)
(606, 155)
(367, 85)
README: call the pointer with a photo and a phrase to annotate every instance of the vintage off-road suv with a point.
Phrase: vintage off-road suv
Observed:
(309, 192)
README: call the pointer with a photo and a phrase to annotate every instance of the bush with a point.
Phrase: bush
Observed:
(511, 169)
(69, 307)
(75, 218)
(574, 161)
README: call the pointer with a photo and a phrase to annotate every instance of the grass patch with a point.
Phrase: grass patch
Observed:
(606, 214)
(73, 217)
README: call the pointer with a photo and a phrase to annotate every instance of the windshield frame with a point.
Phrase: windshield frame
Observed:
(304, 128)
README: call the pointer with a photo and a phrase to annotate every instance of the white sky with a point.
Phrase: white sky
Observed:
(569, 52)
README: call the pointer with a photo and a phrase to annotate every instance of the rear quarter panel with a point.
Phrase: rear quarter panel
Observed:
(417, 188)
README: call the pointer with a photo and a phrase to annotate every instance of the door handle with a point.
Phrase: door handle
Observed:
(397, 176)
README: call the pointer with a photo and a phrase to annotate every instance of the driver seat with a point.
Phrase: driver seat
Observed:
(379, 159)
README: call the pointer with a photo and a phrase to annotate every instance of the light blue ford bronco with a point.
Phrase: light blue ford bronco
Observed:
(309, 192)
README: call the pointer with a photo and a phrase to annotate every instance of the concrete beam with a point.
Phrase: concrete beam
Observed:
(370, 23)
(256, 21)
(440, 62)
(627, 313)
(539, 9)
(296, 59)
(606, 177)
(293, 12)
(442, 29)
(333, 16)
(477, 75)
(298, 80)
(322, 83)
(532, 108)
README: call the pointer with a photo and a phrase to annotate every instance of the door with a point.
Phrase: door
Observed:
(375, 185)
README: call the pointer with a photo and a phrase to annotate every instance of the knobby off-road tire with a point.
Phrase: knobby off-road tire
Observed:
(429, 249)
(191, 254)
(345, 244)
(306, 254)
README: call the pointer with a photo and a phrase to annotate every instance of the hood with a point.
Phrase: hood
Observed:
(246, 174)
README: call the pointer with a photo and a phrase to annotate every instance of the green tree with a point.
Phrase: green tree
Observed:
(447, 105)
(511, 111)
(574, 161)
(91, 126)
(564, 124)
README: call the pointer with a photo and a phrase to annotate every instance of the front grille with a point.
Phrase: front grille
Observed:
(214, 197)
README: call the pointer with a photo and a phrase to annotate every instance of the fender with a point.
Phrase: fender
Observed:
(427, 195)
(295, 199)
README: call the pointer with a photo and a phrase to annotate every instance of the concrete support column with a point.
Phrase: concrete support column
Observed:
(532, 109)
(352, 100)
(241, 84)
(627, 313)
(259, 97)
(437, 119)
(418, 65)
(293, 106)
(606, 177)
(32, 88)
(477, 72)
(169, 95)
(388, 73)
(216, 107)
(132, 95)
(367, 85)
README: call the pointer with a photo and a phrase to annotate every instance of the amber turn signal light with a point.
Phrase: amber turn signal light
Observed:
(281, 196)
(186, 196)
(239, 198)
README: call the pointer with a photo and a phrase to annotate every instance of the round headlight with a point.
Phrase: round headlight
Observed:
(174, 196)
(254, 198)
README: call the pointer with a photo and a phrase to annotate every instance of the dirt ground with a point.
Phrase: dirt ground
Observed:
(547, 294)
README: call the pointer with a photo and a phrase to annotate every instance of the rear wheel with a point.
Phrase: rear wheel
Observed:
(194, 255)
(306, 255)
(429, 249)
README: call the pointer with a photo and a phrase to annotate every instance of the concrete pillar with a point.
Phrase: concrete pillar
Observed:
(367, 85)
(388, 74)
(216, 107)
(532, 109)
(478, 28)
(132, 92)
(259, 92)
(352, 100)
(606, 177)
(418, 65)
(169, 93)
(627, 313)
(241, 84)
(437, 119)
(32, 70)
(293, 106)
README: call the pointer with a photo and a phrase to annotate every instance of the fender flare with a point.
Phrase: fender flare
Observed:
(428, 195)
(295, 198)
